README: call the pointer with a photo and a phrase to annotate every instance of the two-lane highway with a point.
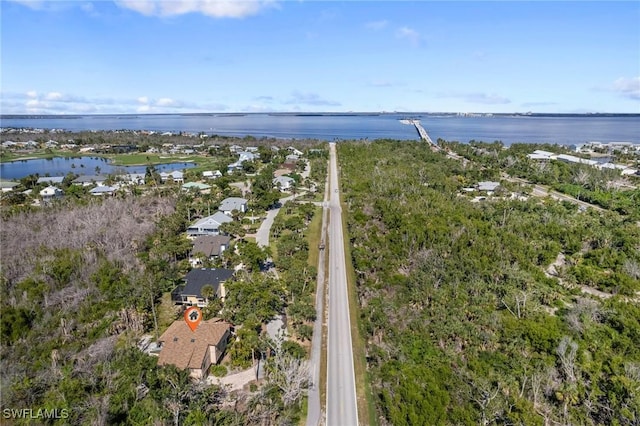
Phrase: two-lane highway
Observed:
(342, 408)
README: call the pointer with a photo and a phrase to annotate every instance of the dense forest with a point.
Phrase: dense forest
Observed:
(484, 313)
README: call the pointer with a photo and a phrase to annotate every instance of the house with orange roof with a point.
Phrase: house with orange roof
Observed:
(195, 350)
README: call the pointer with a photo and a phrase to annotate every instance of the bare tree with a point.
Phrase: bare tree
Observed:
(566, 351)
(290, 375)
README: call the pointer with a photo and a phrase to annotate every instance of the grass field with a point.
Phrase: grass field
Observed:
(314, 236)
(12, 156)
(143, 159)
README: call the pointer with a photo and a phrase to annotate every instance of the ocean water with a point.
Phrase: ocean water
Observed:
(565, 130)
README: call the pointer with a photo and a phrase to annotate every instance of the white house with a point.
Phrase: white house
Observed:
(103, 190)
(209, 225)
(284, 183)
(488, 186)
(541, 155)
(209, 174)
(230, 204)
(89, 180)
(8, 186)
(51, 193)
(573, 159)
(176, 175)
(133, 178)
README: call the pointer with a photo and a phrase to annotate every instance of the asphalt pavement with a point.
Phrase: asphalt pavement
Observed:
(342, 408)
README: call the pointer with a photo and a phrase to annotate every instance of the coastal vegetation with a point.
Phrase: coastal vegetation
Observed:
(84, 278)
(486, 313)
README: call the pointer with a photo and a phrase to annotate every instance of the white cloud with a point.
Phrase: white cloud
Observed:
(54, 96)
(165, 102)
(380, 83)
(310, 99)
(627, 87)
(54, 102)
(377, 25)
(34, 103)
(32, 4)
(478, 98)
(212, 8)
(410, 35)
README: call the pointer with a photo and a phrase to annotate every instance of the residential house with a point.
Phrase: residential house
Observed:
(51, 180)
(209, 246)
(234, 166)
(191, 292)
(8, 186)
(103, 190)
(51, 193)
(176, 176)
(540, 155)
(209, 225)
(209, 174)
(133, 178)
(89, 180)
(573, 159)
(295, 151)
(284, 183)
(487, 186)
(203, 188)
(194, 350)
(247, 156)
(230, 204)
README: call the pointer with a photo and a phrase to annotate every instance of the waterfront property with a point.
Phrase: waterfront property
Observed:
(7, 186)
(89, 180)
(175, 176)
(57, 180)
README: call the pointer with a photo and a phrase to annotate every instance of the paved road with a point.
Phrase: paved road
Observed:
(544, 191)
(342, 408)
(314, 411)
(262, 235)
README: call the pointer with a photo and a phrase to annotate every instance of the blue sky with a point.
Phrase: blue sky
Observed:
(143, 56)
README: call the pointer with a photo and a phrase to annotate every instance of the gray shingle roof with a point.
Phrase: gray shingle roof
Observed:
(198, 278)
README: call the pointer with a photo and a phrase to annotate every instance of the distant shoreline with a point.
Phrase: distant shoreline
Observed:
(312, 114)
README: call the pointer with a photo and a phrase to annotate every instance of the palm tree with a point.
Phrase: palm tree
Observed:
(208, 292)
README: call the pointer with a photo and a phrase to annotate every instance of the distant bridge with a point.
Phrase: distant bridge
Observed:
(421, 131)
